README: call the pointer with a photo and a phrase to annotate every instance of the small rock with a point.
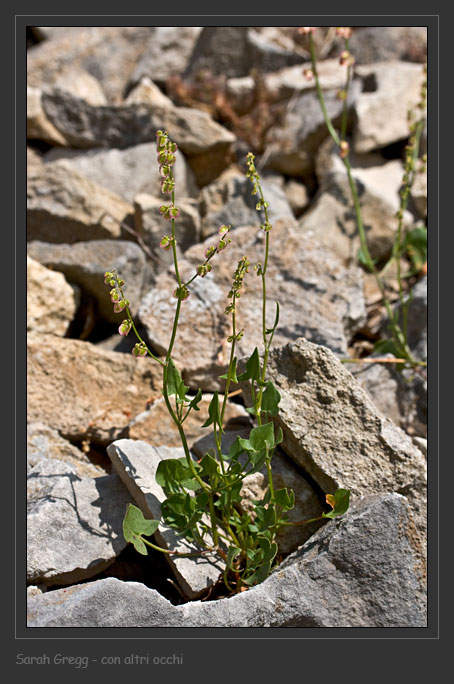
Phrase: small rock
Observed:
(136, 463)
(419, 194)
(63, 206)
(74, 525)
(125, 173)
(381, 114)
(85, 263)
(371, 44)
(297, 196)
(83, 85)
(45, 443)
(38, 125)
(51, 300)
(84, 391)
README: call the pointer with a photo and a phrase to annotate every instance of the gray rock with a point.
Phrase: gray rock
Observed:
(85, 263)
(63, 206)
(370, 44)
(127, 172)
(334, 431)
(84, 391)
(38, 125)
(45, 443)
(291, 146)
(381, 113)
(229, 201)
(51, 300)
(417, 320)
(357, 571)
(136, 463)
(81, 84)
(74, 525)
(318, 298)
(108, 53)
(167, 53)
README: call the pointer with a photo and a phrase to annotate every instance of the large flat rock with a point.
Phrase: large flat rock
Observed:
(357, 571)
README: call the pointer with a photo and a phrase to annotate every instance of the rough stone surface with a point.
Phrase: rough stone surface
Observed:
(419, 194)
(229, 201)
(156, 426)
(318, 298)
(63, 206)
(45, 443)
(291, 146)
(74, 525)
(85, 263)
(108, 53)
(286, 82)
(127, 172)
(84, 391)
(167, 54)
(372, 44)
(357, 571)
(335, 432)
(381, 115)
(38, 125)
(417, 320)
(83, 85)
(136, 464)
(150, 224)
(51, 300)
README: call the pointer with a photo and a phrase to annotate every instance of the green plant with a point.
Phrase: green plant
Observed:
(204, 498)
(412, 244)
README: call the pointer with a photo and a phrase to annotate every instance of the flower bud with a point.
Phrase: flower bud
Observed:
(223, 230)
(139, 349)
(119, 306)
(125, 327)
(166, 242)
(210, 251)
(308, 74)
(181, 293)
(174, 212)
(343, 149)
(305, 30)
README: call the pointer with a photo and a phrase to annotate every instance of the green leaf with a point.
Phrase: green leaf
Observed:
(174, 473)
(214, 414)
(270, 399)
(252, 371)
(134, 525)
(260, 574)
(285, 498)
(231, 372)
(262, 437)
(209, 465)
(388, 347)
(175, 384)
(415, 244)
(339, 503)
(231, 555)
(195, 401)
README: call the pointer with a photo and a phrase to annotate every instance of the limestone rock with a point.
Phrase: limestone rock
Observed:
(83, 85)
(38, 125)
(84, 391)
(334, 431)
(63, 206)
(45, 443)
(370, 44)
(357, 571)
(136, 463)
(127, 172)
(318, 298)
(51, 300)
(381, 114)
(74, 525)
(85, 263)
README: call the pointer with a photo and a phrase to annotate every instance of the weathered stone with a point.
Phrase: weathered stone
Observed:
(151, 225)
(357, 571)
(396, 395)
(318, 298)
(51, 300)
(419, 194)
(417, 320)
(381, 114)
(136, 463)
(229, 201)
(81, 84)
(85, 263)
(34, 158)
(109, 53)
(127, 172)
(63, 206)
(38, 125)
(291, 146)
(333, 430)
(286, 82)
(147, 92)
(74, 525)
(45, 443)
(84, 391)
(156, 426)
(370, 44)
(297, 196)
(167, 54)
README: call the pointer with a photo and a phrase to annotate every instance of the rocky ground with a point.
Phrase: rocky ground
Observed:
(97, 423)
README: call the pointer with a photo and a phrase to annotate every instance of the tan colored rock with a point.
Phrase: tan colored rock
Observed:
(82, 84)
(38, 125)
(419, 194)
(381, 115)
(156, 426)
(63, 206)
(84, 391)
(147, 92)
(51, 300)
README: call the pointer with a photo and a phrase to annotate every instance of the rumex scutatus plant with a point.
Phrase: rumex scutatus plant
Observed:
(204, 498)
(413, 243)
